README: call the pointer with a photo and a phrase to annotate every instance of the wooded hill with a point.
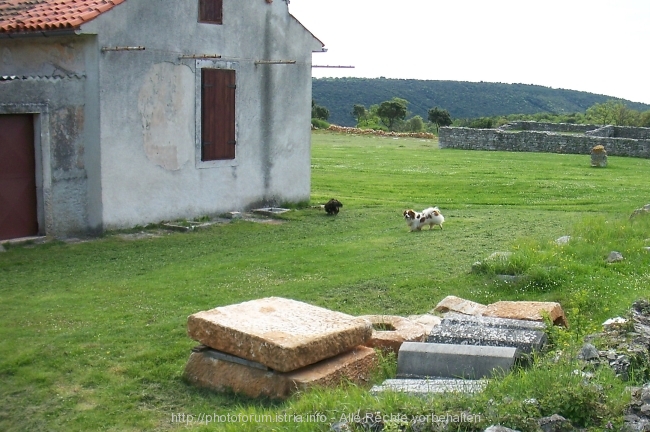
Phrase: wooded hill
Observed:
(462, 99)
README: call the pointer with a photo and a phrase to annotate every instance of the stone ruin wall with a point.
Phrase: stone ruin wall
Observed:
(549, 127)
(543, 141)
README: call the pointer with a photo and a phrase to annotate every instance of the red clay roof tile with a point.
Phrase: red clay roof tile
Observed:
(39, 15)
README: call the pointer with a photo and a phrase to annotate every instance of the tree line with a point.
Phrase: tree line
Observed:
(393, 115)
(463, 100)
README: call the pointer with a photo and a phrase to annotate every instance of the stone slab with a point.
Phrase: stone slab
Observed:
(282, 334)
(527, 310)
(452, 318)
(469, 334)
(390, 331)
(209, 370)
(427, 320)
(423, 387)
(457, 304)
(421, 360)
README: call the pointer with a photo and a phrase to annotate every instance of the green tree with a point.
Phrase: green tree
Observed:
(439, 117)
(644, 119)
(391, 111)
(319, 112)
(604, 113)
(359, 113)
(415, 124)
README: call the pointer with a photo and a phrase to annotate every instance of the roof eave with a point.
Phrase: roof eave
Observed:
(40, 33)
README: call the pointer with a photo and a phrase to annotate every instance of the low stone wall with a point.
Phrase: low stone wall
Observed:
(538, 141)
(548, 127)
(638, 133)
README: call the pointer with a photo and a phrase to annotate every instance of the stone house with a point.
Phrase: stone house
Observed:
(116, 113)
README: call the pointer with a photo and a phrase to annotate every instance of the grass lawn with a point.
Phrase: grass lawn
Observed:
(92, 335)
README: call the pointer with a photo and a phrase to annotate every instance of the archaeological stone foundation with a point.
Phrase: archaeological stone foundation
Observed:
(528, 136)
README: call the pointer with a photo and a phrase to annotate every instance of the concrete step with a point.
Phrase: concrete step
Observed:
(421, 360)
(423, 387)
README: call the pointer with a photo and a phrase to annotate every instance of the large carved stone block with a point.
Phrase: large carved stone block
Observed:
(210, 369)
(280, 333)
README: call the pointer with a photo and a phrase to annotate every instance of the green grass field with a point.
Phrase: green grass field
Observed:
(92, 335)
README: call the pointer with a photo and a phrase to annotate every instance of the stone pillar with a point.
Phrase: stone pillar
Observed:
(599, 156)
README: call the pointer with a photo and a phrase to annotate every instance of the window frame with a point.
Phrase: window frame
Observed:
(210, 11)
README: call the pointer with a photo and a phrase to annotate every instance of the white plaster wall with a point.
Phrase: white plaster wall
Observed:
(148, 110)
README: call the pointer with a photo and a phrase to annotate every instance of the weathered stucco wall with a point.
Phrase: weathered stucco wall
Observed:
(150, 110)
(118, 132)
(49, 79)
(538, 141)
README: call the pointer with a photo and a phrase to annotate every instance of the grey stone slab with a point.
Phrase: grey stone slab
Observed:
(423, 387)
(421, 360)
(506, 323)
(471, 334)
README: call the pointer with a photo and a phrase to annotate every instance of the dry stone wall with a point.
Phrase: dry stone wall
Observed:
(548, 127)
(638, 133)
(539, 141)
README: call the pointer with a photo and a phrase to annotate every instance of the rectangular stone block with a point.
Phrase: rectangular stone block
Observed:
(527, 310)
(471, 334)
(282, 334)
(211, 369)
(423, 387)
(452, 318)
(421, 360)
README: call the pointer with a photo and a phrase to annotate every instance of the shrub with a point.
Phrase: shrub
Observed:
(320, 124)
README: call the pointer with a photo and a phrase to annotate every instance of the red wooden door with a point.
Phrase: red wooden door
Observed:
(217, 114)
(18, 216)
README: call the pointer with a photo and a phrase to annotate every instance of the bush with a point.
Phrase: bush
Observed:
(320, 124)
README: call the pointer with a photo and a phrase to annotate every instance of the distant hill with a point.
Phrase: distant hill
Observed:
(462, 99)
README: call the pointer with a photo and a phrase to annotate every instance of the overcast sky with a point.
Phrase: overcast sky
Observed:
(598, 46)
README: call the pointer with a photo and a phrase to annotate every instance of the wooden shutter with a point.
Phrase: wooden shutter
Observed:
(18, 216)
(217, 114)
(211, 11)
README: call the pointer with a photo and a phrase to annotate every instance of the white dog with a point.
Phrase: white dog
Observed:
(430, 216)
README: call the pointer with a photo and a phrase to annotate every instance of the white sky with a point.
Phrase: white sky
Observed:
(599, 46)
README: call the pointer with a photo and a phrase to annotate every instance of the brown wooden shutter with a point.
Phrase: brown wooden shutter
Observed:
(217, 114)
(211, 11)
(18, 216)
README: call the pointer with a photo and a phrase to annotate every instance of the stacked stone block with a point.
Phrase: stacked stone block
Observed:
(273, 347)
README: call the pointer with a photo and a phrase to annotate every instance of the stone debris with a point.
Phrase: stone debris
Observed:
(643, 211)
(527, 310)
(390, 331)
(614, 257)
(423, 387)
(563, 240)
(497, 428)
(282, 334)
(427, 320)
(614, 321)
(555, 423)
(457, 304)
(588, 352)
